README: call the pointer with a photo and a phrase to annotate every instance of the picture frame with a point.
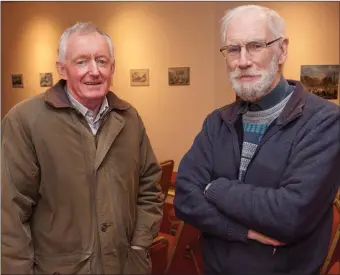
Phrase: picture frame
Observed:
(17, 80)
(321, 80)
(139, 77)
(178, 76)
(46, 80)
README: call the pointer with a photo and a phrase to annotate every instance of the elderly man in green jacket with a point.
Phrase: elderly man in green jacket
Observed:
(80, 181)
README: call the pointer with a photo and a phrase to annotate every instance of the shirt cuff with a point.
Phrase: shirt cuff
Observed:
(137, 247)
(206, 188)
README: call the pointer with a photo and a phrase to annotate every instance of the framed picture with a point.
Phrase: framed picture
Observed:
(139, 77)
(17, 81)
(321, 80)
(46, 80)
(179, 76)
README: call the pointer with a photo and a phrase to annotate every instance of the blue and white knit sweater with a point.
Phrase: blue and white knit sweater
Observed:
(255, 124)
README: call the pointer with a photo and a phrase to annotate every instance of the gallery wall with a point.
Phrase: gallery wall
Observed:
(155, 36)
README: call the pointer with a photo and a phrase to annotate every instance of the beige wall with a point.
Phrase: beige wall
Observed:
(157, 35)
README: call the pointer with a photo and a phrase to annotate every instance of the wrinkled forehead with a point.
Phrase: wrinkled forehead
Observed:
(248, 26)
(87, 43)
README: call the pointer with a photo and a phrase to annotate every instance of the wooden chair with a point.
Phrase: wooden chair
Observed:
(159, 255)
(173, 179)
(171, 210)
(333, 257)
(165, 182)
(181, 248)
(173, 243)
(167, 169)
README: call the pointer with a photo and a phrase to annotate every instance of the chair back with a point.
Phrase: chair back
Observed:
(167, 169)
(159, 255)
(333, 255)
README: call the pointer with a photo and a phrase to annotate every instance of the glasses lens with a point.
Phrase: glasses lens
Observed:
(233, 50)
(253, 47)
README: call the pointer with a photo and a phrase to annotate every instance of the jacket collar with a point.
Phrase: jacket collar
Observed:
(57, 97)
(279, 93)
(293, 107)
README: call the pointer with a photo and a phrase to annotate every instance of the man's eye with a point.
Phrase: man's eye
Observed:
(80, 62)
(255, 46)
(233, 49)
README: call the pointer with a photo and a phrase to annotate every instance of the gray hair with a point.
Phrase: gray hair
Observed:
(80, 27)
(276, 23)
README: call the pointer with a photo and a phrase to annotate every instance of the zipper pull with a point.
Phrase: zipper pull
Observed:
(274, 250)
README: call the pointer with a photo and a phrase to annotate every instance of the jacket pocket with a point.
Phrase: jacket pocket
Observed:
(63, 264)
(137, 262)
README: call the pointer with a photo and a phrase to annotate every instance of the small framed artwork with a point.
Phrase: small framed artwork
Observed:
(139, 77)
(46, 80)
(17, 81)
(321, 80)
(179, 76)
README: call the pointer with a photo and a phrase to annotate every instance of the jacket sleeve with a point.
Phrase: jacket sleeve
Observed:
(149, 202)
(193, 176)
(308, 187)
(19, 191)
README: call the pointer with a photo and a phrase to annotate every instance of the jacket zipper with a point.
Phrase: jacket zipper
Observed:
(236, 144)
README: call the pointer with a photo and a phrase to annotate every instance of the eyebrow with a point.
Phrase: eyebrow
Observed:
(248, 41)
(103, 56)
(85, 56)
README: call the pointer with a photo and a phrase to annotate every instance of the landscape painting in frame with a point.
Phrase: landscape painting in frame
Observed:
(17, 81)
(139, 77)
(321, 80)
(179, 76)
(46, 80)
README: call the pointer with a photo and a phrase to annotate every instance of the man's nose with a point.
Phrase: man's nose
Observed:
(93, 68)
(244, 60)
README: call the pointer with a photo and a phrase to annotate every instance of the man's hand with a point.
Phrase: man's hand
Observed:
(253, 235)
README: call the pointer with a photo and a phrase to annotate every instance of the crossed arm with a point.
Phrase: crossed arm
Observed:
(307, 191)
(190, 203)
(229, 209)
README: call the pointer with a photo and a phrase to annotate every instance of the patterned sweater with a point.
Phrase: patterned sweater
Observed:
(255, 123)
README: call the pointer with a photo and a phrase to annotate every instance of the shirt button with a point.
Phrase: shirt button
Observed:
(104, 227)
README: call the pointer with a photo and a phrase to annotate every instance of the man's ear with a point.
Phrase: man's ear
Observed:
(283, 51)
(61, 70)
(113, 67)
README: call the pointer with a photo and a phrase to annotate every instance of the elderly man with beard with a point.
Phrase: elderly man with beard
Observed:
(261, 175)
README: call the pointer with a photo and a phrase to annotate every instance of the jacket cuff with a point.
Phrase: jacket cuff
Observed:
(215, 190)
(235, 231)
(142, 239)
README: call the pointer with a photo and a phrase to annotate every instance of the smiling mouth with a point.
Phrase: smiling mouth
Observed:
(92, 83)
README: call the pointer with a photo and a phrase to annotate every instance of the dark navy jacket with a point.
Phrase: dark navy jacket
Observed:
(287, 193)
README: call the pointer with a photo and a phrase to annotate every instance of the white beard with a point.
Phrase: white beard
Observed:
(254, 91)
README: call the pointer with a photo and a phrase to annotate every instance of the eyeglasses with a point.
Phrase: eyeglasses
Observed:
(233, 51)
